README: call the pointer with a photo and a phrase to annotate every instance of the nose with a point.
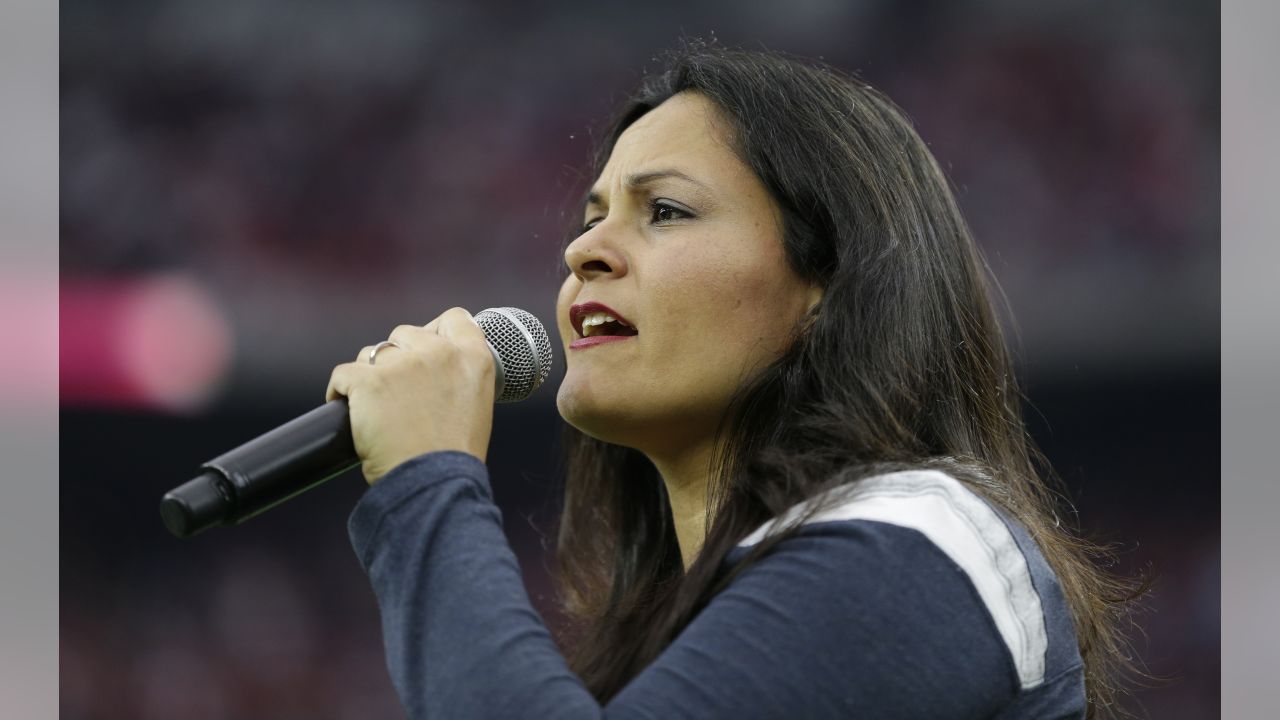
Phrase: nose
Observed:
(593, 256)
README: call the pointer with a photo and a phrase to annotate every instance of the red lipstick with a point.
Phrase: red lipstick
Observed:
(577, 312)
(581, 343)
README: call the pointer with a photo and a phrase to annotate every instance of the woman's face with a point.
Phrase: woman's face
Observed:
(684, 244)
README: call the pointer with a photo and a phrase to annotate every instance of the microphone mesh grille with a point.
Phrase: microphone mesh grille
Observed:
(522, 344)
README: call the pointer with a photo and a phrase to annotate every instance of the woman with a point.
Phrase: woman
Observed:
(799, 484)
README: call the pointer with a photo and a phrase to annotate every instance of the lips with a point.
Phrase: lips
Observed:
(581, 343)
(578, 312)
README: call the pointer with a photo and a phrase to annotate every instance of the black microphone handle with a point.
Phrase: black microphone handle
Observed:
(264, 472)
(313, 448)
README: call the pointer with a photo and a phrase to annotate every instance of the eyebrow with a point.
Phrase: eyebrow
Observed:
(645, 178)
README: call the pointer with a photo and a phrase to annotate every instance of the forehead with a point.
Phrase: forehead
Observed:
(683, 133)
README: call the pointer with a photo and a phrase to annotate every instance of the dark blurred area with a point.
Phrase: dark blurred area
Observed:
(253, 191)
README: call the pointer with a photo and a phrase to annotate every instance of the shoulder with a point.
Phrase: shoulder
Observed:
(941, 559)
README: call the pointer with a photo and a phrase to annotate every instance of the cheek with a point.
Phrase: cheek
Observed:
(736, 319)
(753, 332)
(757, 306)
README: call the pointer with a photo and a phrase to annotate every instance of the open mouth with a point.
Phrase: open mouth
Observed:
(603, 324)
(596, 320)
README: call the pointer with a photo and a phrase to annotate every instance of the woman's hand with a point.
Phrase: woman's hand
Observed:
(433, 392)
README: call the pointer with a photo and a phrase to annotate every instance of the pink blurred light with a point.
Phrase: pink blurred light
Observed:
(29, 316)
(157, 342)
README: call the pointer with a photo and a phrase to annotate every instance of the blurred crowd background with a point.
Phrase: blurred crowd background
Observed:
(250, 192)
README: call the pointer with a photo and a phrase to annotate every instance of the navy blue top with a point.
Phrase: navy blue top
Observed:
(909, 598)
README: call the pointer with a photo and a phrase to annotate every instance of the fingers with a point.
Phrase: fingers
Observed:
(458, 325)
(413, 337)
(460, 328)
(455, 326)
(405, 336)
(384, 353)
(342, 379)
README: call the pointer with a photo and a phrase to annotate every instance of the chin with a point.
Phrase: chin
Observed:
(578, 408)
(601, 418)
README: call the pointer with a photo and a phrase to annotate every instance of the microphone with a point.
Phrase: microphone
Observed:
(315, 447)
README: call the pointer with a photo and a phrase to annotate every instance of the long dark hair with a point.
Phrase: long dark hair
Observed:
(901, 365)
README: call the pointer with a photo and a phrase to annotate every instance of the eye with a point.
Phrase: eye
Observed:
(661, 211)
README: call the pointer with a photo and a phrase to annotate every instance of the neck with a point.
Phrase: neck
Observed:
(686, 473)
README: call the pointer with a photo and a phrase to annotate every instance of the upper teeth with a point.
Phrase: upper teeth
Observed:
(596, 319)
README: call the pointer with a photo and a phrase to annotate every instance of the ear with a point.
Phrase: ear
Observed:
(814, 297)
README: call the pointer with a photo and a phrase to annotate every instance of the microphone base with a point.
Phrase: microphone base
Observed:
(196, 505)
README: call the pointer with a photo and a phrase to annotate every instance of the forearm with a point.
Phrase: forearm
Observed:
(462, 639)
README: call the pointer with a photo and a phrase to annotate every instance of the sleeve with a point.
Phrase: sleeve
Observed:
(847, 619)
